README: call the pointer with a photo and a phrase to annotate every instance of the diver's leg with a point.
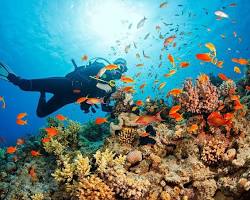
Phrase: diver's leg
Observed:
(56, 102)
(52, 85)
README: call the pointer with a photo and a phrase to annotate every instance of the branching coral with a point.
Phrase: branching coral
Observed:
(199, 98)
(53, 146)
(213, 150)
(106, 159)
(92, 188)
(66, 172)
(226, 87)
(38, 196)
(126, 184)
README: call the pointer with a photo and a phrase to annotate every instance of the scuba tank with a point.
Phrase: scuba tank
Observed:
(84, 71)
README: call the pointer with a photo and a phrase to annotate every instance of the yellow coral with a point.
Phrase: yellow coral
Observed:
(82, 165)
(106, 159)
(92, 188)
(38, 196)
(213, 151)
(103, 159)
(64, 174)
(54, 147)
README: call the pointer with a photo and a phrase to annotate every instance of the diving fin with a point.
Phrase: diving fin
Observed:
(4, 71)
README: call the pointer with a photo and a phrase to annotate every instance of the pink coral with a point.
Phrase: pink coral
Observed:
(200, 98)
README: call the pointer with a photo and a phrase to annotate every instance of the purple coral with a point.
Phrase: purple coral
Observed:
(200, 98)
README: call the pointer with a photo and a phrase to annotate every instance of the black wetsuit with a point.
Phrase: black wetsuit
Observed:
(67, 89)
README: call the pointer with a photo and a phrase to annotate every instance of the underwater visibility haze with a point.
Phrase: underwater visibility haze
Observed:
(123, 99)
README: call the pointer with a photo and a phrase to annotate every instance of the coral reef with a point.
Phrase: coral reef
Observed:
(203, 97)
(226, 87)
(200, 157)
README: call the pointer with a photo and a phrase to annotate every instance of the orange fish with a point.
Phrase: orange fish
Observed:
(219, 64)
(248, 87)
(174, 92)
(140, 65)
(184, 64)
(11, 150)
(171, 59)
(228, 116)
(204, 57)
(192, 128)
(20, 141)
(237, 70)
(3, 101)
(100, 120)
(84, 57)
(168, 40)
(203, 78)
(21, 122)
(237, 105)
(93, 101)
(171, 72)
(44, 140)
(241, 61)
(51, 131)
(174, 109)
(21, 115)
(234, 97)
(223, 77)
(34, 153)
(142, 85)
(148, 119)
(177, 116)
(139, 103)
(81, 99)
(216, 119)
(127, 79)
(60, 117)
(128, 89)
(111, 67)
(162, 85)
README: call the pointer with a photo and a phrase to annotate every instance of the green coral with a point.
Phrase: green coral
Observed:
(65, 141)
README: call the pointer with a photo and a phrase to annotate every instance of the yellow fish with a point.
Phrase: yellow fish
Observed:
(237, 70)
(211, 47)
(162, 85)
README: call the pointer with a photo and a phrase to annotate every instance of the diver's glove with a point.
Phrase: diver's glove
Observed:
(104, 87)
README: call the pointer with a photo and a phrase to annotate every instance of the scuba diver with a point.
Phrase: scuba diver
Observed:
(82, 82)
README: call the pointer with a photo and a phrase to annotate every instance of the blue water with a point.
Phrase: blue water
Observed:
(38, 38)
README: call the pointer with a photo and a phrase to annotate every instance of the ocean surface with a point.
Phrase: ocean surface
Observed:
(38, 39)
